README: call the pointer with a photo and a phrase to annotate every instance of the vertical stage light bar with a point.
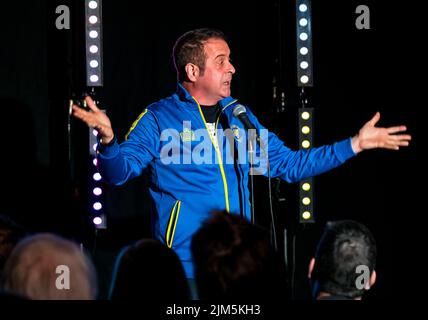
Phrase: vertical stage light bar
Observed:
(304, 43)
(94, 78)
(96, 185)
(306, 191)
(94, 48)
(306, 115)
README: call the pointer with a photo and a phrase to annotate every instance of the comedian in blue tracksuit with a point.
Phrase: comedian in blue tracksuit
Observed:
(196, 150)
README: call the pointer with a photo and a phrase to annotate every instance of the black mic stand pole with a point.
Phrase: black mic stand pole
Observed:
(251, 150)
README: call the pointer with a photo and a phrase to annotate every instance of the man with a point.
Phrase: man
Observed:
(344, 264)
(190, 161)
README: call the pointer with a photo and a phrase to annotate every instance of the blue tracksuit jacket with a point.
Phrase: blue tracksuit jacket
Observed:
(192, 173)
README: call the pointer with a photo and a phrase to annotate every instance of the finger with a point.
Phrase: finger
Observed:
(396, 129)
(78, 112)
(401, 137)
(83, 115)
(375, 119)
(395, 144)
(76, 108)
(393, 139)
(391, 146)
(91, 104)
(403, 143)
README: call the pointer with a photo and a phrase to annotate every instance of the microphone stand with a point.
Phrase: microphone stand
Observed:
(251, 150)
(253, 138)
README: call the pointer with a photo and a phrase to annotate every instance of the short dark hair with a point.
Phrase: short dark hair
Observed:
(189, 48)
(234, 259)
(344, 246)
(148, 270)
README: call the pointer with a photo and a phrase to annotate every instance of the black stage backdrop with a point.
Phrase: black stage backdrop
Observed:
(357, 72)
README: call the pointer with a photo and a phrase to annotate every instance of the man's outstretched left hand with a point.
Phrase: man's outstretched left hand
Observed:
(370, 137)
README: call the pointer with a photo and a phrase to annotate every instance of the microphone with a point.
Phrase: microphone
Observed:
(240, 112)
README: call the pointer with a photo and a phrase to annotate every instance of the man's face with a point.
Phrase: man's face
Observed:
(217, 78)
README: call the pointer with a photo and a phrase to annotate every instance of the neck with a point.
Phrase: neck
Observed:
(198, 95)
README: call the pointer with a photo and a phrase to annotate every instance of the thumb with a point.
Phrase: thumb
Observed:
(91, 104)
(375, 119)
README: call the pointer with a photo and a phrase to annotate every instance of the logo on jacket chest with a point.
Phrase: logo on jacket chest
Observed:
(187, 135)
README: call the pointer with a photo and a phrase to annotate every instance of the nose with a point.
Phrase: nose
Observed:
(232, 69)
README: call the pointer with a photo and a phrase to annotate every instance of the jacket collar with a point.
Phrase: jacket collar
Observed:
(183, 94)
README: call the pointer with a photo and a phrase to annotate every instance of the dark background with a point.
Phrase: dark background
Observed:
(357, 72)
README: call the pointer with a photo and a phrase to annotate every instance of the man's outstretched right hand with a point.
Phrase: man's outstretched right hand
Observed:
(95, 118)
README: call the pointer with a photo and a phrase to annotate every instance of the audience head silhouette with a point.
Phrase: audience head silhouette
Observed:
(345, 252)
(148, 270)
(49, 267)
(234, 259)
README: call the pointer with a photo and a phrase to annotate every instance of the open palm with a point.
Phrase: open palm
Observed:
(370, 137)
(95, 118)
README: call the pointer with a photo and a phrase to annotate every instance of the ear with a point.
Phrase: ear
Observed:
(192, 71)
(311, 267)
(372, 280)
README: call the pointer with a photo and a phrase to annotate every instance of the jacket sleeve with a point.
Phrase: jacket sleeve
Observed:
(294, 166)
(120, 163)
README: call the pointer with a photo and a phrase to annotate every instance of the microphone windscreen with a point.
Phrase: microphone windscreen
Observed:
(238, 110)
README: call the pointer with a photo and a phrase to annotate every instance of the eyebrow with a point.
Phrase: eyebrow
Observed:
(220, 56)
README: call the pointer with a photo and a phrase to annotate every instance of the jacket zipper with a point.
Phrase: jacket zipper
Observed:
(217, 149)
